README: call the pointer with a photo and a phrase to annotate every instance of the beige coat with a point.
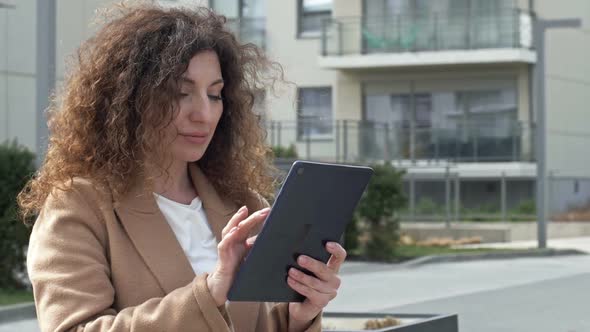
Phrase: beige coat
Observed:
(103, 265)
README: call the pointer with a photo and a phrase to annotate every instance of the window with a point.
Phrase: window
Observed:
(311, 15)
(476, 124)
(314, 116)
(228, 8)
(246, 18)
(236, 9)
(8, 4)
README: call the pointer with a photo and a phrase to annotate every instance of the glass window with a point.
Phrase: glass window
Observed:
(228, 8)
(253, 8)
(246, 18)
(314, 118)
(398, 25)
(311, 15)
(234, 9)
(476, 124)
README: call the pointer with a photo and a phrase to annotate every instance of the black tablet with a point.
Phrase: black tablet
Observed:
(313, 206)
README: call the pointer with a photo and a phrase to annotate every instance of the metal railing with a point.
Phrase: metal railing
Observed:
(365, 141)
(509, 28)
(446, 196)
(250, 30)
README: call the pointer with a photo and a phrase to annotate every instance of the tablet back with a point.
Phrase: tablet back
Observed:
(314, 205)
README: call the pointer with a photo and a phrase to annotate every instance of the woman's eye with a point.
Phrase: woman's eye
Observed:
(214, 97)
(183, 94)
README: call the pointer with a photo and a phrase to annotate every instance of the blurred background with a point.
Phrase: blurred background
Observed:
(442, 89)
(457, 95)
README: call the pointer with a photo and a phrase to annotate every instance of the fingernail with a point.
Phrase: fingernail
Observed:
(302, 260)
(242, 209)
(264, 211)
(331, 245)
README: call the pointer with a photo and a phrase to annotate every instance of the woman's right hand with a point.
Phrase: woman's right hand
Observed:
(231, 251)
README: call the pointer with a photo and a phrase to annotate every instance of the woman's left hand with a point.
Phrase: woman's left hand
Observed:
(319, 290)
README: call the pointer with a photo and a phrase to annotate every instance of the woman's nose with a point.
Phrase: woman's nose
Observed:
(200, 108)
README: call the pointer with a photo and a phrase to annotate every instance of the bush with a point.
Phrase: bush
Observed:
(16, 167)
(382, 198)
(525, 208)
(287, 153)
(427, 207)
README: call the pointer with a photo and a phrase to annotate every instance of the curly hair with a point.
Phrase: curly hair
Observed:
(122, 92)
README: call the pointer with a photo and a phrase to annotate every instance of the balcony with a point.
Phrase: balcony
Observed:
(249, 30)
(8, 4)
(427, 40)
(352, 141)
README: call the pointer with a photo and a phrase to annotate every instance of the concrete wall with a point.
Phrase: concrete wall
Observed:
(568, 194)
(75, 22)
(568, 88)
(17, 73)
(494, 232)
(298, 57)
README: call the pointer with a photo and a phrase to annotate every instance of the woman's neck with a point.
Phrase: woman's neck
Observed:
(176, 184)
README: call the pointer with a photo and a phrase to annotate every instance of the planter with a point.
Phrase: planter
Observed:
(353, 322)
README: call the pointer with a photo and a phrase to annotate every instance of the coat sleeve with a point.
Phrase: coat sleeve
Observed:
(68, 266)
(274, 317)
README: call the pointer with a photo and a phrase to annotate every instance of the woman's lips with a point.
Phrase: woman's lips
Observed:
(196, 139)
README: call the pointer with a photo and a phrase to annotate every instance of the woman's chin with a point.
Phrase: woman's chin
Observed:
(194, 157)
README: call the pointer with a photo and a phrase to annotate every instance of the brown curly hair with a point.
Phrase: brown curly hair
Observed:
(122, 92)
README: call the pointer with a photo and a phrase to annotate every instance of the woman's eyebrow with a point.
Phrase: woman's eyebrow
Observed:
(185, 79)
(217, 81)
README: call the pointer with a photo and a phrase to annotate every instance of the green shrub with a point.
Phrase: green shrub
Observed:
(287, 153)
(525, 208)
(351, 235)
(427, 206)
(16, 167)
(382, 198)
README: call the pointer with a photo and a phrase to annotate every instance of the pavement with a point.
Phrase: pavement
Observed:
(548, 294)
(542, 294)
(577, 243)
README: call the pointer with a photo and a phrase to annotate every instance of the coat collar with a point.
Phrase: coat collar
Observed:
(155, 241)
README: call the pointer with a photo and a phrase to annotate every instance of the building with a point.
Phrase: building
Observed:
(440, 88)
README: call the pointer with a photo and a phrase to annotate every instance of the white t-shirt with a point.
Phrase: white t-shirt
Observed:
(189, 224)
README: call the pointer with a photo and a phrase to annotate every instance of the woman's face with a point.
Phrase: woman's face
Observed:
(200, 107)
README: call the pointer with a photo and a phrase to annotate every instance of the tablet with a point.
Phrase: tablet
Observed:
(313, 206)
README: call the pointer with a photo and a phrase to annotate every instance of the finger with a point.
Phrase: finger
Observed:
(245, 226)
(256, 215)
(250, 241)
(338, 256)
(315, 298)
(235, 220)
(320, 269)
(315, 283)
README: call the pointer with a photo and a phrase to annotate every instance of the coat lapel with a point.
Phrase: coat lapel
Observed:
(153, 238)
(217, 210)
(155, 241)
(244, 314)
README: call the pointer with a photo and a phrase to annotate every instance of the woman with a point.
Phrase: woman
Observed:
(153, 149)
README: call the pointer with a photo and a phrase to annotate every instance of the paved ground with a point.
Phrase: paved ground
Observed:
(578, 243)
(517, 295)
(558, 305)
(22, 326)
